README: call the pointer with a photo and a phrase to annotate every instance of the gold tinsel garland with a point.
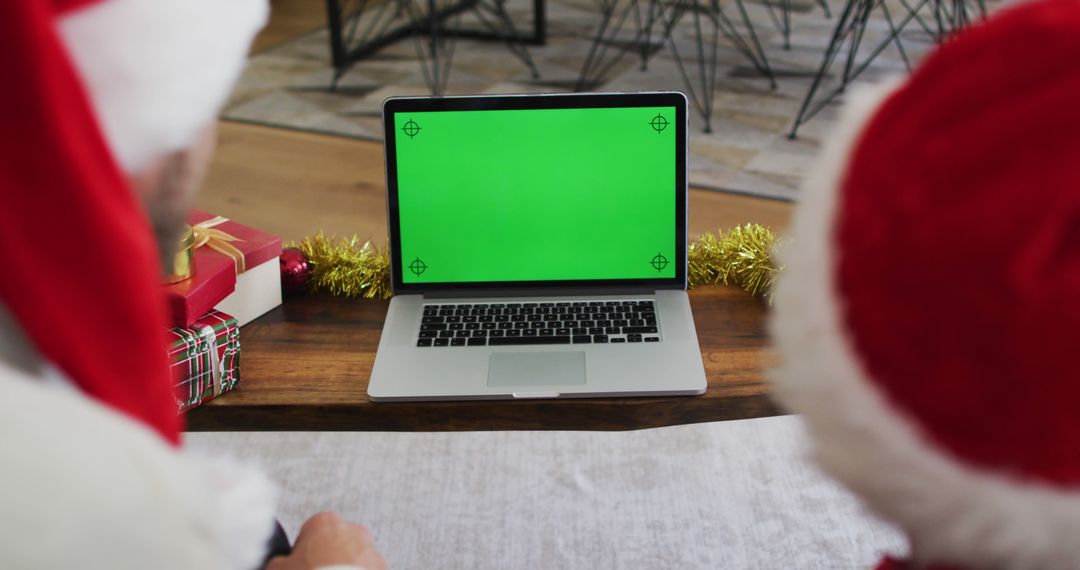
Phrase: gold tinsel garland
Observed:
(740, 257)
(343, 267)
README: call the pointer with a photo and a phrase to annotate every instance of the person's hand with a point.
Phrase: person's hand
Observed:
(326, 539)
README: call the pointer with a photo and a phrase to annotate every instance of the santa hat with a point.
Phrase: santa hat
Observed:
(927, 317)
(95, 89)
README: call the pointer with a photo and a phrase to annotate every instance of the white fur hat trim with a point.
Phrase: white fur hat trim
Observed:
(158, 71)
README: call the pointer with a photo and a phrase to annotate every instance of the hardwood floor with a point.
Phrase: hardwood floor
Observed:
(294, 183)
(288, 19)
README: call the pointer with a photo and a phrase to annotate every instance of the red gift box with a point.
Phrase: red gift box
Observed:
(213, 280)
(258, 247)
(215, 272)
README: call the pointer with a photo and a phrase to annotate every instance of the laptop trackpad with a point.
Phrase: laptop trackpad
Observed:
(536, 368)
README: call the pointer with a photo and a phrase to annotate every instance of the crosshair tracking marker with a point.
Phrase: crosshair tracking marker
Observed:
(659, 123)
(659, 262)
(418, 266)
(411, 128)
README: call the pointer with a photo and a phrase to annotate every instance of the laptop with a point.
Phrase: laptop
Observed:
(538, 248)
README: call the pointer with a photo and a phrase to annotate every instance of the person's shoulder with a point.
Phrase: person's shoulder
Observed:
(84, 486)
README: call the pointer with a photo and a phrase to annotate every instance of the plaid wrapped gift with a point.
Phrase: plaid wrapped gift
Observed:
(205, 359)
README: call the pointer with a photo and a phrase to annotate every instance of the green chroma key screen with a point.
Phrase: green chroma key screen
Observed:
(536, 195)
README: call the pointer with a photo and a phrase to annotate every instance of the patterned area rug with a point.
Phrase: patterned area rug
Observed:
(747, 151)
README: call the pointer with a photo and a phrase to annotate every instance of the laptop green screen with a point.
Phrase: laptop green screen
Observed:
(536, 195)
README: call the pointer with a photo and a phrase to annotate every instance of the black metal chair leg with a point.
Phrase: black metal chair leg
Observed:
(839, 33)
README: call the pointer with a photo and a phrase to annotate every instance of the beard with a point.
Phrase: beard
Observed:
(168, 192)
(167, 198)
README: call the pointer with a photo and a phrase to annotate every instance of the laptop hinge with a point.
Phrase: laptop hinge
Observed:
(561, 292)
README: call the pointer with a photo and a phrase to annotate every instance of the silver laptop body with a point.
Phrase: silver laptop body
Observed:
(538, 248)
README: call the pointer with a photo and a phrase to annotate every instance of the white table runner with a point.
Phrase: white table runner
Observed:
(720, 495)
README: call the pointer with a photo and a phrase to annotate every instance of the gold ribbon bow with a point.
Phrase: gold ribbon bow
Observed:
(217, 367)
(219, 241)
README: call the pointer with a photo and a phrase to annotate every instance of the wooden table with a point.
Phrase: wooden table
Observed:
(305, 366)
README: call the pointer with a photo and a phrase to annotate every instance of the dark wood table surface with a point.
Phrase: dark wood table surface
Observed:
(305, 367)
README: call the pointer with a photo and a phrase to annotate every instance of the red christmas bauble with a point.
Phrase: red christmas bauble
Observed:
(295, 271)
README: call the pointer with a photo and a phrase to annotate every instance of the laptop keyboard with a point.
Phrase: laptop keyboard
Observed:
(503, 324)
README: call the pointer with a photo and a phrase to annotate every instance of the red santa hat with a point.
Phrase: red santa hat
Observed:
(928, 311)
(94, 90)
